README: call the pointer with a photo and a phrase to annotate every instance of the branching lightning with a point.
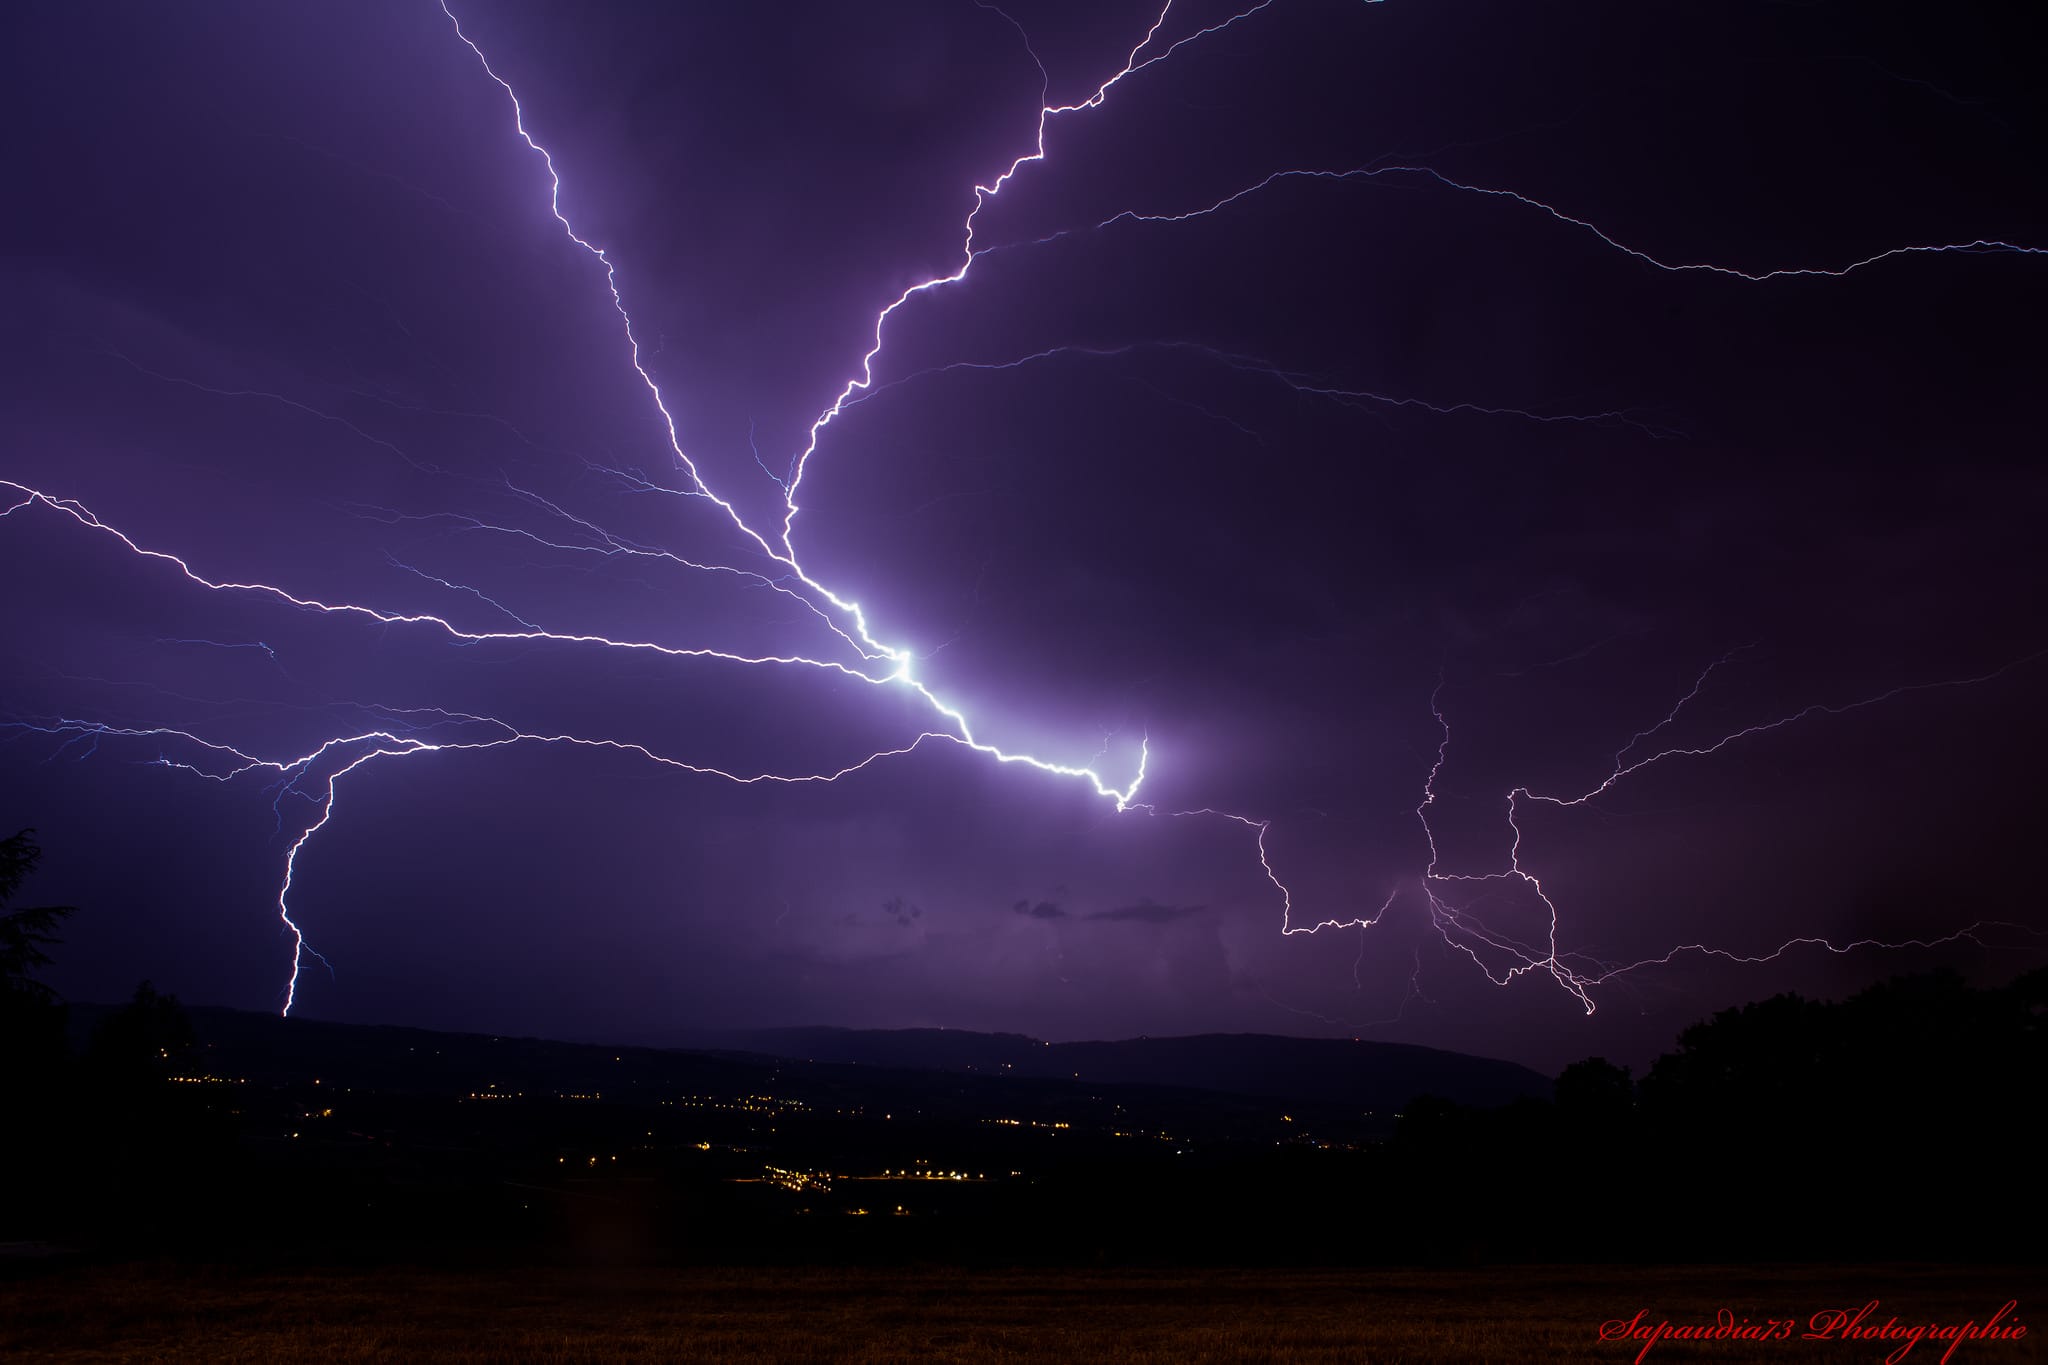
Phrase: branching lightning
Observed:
(1466, 933)
(853, 649)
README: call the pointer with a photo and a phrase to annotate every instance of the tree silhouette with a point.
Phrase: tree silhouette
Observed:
(1595, 1093)
(32, 1045)
(24, 933)
(34, 1055)
(1903, 1117)
(136, 1046)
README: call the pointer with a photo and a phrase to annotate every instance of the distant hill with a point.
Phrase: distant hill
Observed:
(1358, 1076)
(268, 1050)
(1368, 1075)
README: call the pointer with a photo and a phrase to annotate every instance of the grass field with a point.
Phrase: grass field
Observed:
(162, 1313)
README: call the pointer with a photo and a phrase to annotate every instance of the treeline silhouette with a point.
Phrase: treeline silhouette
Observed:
(1900, 1123)
(1903, 1121)
(99, 1141)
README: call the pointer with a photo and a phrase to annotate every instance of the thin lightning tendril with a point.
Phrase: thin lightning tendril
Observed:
(1979, 246)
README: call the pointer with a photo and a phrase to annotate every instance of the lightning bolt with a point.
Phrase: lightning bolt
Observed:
(1309, 386)
(1431, 177)
(857, 652)
(231, 763)
(1461, 930)
(873, 662)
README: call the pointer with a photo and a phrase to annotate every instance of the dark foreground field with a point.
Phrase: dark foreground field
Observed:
(138, 1313)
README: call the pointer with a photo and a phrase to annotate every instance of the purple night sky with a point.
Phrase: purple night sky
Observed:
(1237, 491)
